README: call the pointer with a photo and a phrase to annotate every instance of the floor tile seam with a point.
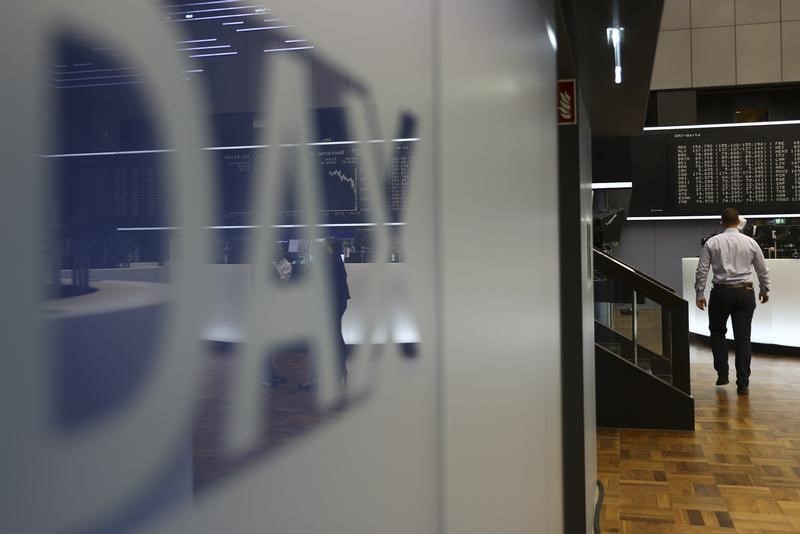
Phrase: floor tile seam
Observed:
(758, 460)
(707, 507)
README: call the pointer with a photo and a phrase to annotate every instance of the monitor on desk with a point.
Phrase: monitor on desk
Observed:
(608, 227)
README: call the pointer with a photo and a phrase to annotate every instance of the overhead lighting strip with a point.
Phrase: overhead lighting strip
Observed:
(216, 17)
(720, 125)
(91, 78)
(710, 217)
(254, 227)
(215, 47)
(117, 153)
(262, 28)
(206, 3)
(90, 71)
(212, 10)
(217, 54)
(219, 148)
(612, 185)
(95, 84)
(288, 49)
(193, 41)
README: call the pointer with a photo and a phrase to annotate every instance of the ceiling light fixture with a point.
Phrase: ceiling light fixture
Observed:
(614, 36)
(612, 185)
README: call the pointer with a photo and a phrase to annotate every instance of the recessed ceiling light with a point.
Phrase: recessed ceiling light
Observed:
(614, 36)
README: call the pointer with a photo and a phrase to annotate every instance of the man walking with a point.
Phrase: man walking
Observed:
(732, 257)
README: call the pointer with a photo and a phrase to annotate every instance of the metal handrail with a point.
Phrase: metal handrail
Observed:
(636, 279)
(627, 267)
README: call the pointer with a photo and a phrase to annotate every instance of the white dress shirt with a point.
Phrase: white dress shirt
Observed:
(732, 257)
(284, 268)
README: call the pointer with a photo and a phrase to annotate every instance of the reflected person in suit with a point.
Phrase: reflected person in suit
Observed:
(329, 253)
(340, 294)
(283, 273)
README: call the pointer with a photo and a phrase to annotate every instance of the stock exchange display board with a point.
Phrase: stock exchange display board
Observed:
(128, 185)
(133, 189)
(118, 189)
(701, 172)
(343, 189)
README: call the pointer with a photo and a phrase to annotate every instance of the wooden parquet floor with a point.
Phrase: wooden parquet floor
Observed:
(739, 471)
(292, 413)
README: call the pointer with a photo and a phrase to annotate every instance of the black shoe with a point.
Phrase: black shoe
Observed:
(722, 380)
(274, 381)
(743, 390)
(277, 380)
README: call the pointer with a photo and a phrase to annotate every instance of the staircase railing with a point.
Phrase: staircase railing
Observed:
(642, 320)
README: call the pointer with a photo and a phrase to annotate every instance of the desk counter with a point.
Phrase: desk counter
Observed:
(775, 323)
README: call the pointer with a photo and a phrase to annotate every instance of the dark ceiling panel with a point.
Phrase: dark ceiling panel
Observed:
(614, 110)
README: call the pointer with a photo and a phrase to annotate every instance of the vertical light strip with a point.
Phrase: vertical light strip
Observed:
(614, 36)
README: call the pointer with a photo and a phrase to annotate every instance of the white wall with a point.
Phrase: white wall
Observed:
(657, 248)
(500, 311)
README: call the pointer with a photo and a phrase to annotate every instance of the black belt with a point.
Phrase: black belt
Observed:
(743, 285)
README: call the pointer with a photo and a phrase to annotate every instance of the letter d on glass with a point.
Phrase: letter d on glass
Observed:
(53, 481)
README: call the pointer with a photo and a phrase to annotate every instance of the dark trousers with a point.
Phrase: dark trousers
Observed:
(341, 348)
(738, 304)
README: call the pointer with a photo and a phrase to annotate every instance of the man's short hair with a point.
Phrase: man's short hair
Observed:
(730, 217)
(334, 244)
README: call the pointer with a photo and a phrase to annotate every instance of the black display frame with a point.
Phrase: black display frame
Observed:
(655, 171)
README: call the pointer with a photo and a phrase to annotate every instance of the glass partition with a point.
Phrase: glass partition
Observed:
(614, 316)
(641, 320)
(651, 320)
(244, 246)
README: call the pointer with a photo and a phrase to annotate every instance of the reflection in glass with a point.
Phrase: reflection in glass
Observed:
(115, 229)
